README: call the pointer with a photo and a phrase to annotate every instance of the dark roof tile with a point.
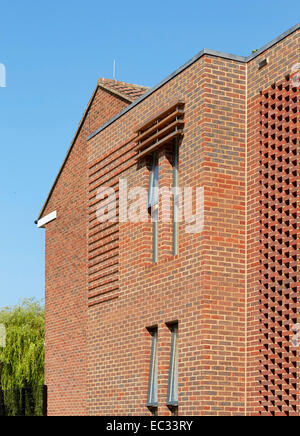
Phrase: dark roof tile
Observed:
(127, 90)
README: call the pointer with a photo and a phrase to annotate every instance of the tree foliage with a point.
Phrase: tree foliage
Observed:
(22, 359)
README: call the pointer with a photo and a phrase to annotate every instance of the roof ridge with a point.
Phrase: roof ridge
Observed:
(137, 92)
(123, 83)
(125, 90)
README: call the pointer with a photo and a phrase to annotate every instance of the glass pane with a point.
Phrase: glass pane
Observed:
(175, 199)
(153, 182)
(152, 388)
(173, 369)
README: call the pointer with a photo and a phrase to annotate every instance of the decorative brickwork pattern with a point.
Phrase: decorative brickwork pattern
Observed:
(279, 310)
(232, 288)
(103, 238)
(281, 59)
(203, 287)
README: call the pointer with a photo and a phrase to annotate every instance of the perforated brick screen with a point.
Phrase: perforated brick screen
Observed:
(278, 245)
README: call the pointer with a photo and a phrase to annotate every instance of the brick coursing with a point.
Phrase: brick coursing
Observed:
(66, 272)
(103, 290)
(270, 398)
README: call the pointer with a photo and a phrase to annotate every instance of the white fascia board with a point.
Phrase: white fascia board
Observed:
(47, 219)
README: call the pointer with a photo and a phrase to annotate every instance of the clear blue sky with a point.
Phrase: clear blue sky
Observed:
(54, 52)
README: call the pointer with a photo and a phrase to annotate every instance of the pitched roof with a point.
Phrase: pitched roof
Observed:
(126, 91)
(130, 92)
(122, 89)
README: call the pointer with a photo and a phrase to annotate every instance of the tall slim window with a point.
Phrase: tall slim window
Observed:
(153, 198)
(152, 400)
(172, 399)
(175, 197)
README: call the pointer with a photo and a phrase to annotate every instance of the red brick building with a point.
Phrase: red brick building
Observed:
(148, 318)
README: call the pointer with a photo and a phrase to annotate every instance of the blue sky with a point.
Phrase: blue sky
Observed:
(54, 52)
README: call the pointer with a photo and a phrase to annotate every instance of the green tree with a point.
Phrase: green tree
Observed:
(22, 359)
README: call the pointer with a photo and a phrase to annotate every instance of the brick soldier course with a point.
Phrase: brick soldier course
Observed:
(231, 288)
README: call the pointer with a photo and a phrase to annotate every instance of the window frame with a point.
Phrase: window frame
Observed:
(153, 200)
(172, 396)
(152, 394)
(153, 182)
(175, 197)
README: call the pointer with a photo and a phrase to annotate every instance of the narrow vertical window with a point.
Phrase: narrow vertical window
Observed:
(175, 197)
(153, 198)
(152, 385)
(172, 400)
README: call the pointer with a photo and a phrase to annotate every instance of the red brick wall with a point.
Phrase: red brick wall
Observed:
(203, 287)
(103, 291)
(267, 296)
(66, 272)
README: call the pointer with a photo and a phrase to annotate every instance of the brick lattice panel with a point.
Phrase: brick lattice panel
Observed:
(279, 302)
